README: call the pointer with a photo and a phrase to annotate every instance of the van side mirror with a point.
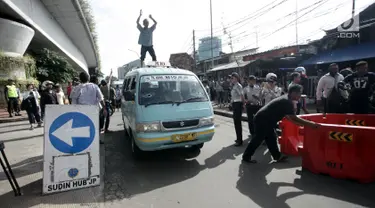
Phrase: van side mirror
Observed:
(129, 96)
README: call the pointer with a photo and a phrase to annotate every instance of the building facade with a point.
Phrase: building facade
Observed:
(121, 71)
(182, 60)
(204, 48)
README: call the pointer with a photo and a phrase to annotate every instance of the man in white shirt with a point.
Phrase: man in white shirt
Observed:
(252, 94)
(328, 94)
(88, 94)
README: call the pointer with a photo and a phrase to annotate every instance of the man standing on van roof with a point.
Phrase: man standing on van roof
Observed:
(145, 38)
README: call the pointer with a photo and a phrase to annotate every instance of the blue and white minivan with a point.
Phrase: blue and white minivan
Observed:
(165, 107)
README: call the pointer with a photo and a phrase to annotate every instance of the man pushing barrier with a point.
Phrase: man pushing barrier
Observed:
(145, 37)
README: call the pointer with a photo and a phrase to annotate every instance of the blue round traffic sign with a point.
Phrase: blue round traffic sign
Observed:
(72, 132)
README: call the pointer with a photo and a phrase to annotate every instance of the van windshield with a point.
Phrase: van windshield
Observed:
(166, 89)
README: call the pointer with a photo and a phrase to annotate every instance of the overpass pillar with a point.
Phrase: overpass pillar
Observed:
(14, 40)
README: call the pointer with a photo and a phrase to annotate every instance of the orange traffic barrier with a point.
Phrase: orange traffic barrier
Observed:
(341, 151)
(342, 148)
(291, 138)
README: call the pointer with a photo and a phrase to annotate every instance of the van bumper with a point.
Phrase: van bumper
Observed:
(163, 140)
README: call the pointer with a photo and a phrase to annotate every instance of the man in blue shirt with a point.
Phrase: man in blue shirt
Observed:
(145, 38)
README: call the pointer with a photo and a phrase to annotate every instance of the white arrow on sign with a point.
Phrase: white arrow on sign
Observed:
(66, 132)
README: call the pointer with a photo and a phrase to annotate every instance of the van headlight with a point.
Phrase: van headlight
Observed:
(148, 127)
(208, 121)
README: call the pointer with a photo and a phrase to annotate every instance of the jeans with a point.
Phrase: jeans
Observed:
(33, 115)
(104, 119)
(150, 50)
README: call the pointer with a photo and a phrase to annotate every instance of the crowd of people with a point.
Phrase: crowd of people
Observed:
(84, 90)
(266, 104)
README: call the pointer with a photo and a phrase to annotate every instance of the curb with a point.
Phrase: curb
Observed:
(13, 120)
(228, 114)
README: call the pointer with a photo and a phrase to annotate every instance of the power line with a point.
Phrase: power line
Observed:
(290, 23)
(273, 21)
(241, 19)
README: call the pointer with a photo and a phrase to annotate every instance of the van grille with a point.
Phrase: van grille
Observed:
(180, 124)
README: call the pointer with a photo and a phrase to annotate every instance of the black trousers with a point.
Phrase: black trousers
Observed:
(150, 50)
(251, 110)
(332, 106)
(237, 119)
(263, 131)
(13, 105)
(220, 97)
(104, 120)
(33, 116)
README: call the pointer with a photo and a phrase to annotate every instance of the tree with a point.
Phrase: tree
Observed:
(90, 20)
(51, 66)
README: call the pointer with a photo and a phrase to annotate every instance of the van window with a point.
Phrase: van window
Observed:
(133, 83)
(170, 88)
(126, 84)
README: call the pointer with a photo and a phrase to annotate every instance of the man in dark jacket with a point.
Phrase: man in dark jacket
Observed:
(47, 97)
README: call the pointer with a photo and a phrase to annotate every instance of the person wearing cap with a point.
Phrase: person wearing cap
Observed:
(328, 94)
(361, 87)
(266, 119)
(300, 104)
(237, 100)
(47, 97)
(252, 99)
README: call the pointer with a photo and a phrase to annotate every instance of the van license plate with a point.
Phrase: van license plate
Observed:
(184, 137)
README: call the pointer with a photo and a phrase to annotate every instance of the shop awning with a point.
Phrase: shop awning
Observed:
(234, 64)
(356, 52)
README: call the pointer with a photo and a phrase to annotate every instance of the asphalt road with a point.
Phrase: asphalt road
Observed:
(213, 178)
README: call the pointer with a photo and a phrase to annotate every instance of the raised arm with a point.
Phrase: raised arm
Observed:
(155, 23)
(139, 18)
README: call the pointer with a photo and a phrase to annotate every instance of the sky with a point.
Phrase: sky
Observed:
(272, 21)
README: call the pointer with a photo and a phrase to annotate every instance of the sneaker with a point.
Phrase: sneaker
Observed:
(39, 125)
(31, 127)
(248, 160)
(282, 158)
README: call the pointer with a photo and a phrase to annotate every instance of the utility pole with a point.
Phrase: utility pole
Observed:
(256, 36)
(297, 26)
(195, 61)
(353, 9)
(230, 41)
(212, 49)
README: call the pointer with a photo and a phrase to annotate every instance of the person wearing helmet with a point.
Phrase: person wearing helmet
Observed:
(237, 99)
(47, 97)
(361, 87)
(300, 104)
(266, 119)
(270, 90)
(328, 94)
